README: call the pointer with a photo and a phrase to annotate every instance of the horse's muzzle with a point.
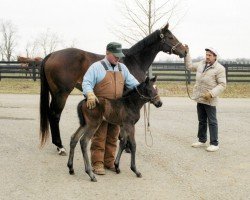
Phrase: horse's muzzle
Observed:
(157, 104)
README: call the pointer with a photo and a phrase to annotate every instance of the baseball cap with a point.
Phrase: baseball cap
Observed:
(212, 50)
(115, 48)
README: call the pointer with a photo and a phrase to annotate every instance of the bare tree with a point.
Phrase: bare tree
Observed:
(49, 42)
(71, 44)
(142, 17)
(8, 37)
(32, 48)
(1, 52)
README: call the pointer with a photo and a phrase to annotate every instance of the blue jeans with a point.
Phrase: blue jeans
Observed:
(207, 116)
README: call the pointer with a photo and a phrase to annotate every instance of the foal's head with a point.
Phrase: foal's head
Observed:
(148, 91)
(170, 44)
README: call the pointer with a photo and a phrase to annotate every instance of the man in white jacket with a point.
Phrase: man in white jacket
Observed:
(210, 83)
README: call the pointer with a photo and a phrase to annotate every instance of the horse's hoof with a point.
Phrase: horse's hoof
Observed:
(61, 151)
(138, 175)
(71, 172)
(94, 179)
(117, 170)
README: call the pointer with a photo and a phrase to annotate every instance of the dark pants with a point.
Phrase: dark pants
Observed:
(207, 115)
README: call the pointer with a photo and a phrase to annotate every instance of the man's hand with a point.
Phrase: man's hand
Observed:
(207, 96)
(91, 100)
(187, 48)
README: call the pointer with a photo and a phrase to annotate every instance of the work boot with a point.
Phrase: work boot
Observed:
(98, 168)
(198, 144)
(111, 168)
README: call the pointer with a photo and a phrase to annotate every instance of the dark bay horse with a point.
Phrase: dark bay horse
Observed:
(124, 112)
(63, 70)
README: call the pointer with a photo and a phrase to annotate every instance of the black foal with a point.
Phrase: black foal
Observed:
(124, 112)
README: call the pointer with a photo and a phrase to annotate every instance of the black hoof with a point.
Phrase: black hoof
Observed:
(71, 172)
(139, 175)
(117, 170)
(94, 179)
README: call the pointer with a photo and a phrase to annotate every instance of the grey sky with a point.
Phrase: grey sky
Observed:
(223, 24)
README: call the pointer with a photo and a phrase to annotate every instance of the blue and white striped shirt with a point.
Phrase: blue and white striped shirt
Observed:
(97, 72)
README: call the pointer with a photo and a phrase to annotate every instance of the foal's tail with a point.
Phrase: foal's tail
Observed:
(80, 113)
(44, 104)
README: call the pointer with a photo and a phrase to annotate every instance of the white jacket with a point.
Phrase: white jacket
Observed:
(212, 80)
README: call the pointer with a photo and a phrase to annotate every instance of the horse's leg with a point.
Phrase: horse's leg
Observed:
(74, 139)
(56, 107)
(122, 146)
(84, 143)
(132, 145)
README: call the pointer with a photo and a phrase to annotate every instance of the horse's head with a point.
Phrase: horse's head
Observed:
(170, 44)
(148, 91)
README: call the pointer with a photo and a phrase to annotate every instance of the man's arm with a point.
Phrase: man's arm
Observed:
(89, 80)
(188, 61)
(189, 64)
(130, 80)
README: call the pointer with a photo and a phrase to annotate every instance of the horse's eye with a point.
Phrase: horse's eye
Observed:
(171, 37)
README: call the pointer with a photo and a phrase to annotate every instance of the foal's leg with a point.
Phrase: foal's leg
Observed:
(90, 131)
(74, 139)
(132, 145)
(122, 146)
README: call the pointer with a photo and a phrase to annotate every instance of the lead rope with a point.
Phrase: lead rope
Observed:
(147, 125)
(188, 89)
(187, 86)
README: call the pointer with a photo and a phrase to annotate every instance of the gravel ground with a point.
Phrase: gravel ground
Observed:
(171, 169)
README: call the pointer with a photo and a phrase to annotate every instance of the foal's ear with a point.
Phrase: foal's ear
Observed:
(147, 80)
(154, 79)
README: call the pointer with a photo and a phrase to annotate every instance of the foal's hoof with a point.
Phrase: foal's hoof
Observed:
(71, 172)
(94, 179)
(117, 170)
(138, 175)
(61, 151)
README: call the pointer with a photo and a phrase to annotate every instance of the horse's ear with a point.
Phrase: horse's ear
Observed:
(165, 28)
(147, 80)
(154, 79)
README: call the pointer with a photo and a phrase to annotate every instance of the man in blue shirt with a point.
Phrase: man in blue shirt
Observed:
(106, 78)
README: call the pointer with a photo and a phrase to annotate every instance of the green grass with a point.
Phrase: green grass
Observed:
(170, 89)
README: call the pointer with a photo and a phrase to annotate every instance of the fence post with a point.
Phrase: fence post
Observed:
(189, 76)
(226, 68)
(33, 71)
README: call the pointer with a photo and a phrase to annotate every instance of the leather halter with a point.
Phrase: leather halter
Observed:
(173, 47)
(145, 97)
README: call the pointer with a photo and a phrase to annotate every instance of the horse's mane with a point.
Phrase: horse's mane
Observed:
(129, 92)
(142, 43)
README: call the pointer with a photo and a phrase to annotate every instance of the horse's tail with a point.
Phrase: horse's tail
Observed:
(80, 113)
(44, 104)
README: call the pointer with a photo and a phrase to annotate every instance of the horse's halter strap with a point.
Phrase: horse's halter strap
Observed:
(173, 47)
(145, 97)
